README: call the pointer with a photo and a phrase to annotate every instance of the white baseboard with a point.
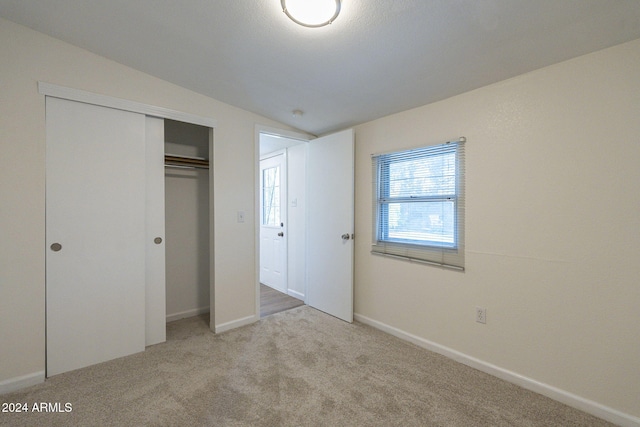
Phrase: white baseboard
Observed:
(188, 313)
(18, 383)
(296, 294)
(236, 323)
(570, 399)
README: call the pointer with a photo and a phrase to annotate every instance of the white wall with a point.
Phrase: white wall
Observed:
(28, 57)
(186, 223)
(552, 228)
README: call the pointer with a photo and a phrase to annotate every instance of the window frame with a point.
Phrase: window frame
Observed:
(441, 253)
(274, 202)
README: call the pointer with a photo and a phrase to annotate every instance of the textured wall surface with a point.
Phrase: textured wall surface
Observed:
(552, 228)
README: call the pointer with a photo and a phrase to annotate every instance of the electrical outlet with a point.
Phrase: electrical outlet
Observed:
(481, 315)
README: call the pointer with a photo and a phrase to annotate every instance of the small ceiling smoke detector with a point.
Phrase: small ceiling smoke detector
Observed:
(311, 13)
(297, 113)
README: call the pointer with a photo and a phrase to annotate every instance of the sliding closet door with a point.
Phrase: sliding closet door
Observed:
(156, 307)
(95, 233)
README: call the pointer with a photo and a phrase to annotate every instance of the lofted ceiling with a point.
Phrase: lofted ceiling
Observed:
(377, 58)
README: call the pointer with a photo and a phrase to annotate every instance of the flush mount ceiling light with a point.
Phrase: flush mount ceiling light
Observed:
(311, 13)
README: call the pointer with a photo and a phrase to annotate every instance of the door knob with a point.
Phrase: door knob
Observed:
(157, 240)
(56, 247)
(281, 234)
(346, 236)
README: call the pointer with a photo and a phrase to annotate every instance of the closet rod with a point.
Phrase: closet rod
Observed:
(185, 161)
(185, 167)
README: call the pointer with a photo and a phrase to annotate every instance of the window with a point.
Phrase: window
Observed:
(271, 196)
(418, 204)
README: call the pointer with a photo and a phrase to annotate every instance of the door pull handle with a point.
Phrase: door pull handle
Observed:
(281, 234)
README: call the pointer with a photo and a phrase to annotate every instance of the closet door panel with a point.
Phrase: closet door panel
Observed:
(95, 221)
(156, 317)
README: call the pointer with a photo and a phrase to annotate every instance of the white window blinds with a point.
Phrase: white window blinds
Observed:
(418, 204)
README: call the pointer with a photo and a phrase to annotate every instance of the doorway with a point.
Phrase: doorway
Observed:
(187, 219)
(319, 240)
(281, 223)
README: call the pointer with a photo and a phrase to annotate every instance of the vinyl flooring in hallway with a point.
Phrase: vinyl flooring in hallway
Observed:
(272, 301)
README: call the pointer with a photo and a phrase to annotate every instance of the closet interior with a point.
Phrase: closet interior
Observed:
(187, 236)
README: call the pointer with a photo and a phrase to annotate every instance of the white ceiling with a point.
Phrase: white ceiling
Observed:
(378, 57)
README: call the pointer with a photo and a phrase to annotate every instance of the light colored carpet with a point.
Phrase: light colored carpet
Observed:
(296, 368)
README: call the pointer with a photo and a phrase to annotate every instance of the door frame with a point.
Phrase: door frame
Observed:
(277, 132)
(72, 94)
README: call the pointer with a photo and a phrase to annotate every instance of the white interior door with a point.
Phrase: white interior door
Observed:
(95, 234)
(330, 222)
(273, 206)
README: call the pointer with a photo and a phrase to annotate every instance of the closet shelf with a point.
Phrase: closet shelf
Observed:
(175, 160)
